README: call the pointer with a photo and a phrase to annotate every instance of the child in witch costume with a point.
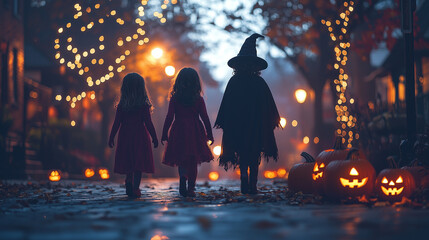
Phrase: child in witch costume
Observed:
(133, 152)
(248, 116)
(187, 141)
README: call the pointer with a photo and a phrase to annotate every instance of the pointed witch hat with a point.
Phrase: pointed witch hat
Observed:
(248, 55)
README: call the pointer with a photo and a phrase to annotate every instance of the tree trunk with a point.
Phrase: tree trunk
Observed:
(318, 117)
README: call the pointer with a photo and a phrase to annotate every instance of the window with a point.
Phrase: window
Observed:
(15, 75)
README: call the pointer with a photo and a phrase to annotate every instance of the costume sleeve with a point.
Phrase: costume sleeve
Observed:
(168, 119)
(116, 124)
(203, 114)
(271, 110)
(225, 106)
(148, 122)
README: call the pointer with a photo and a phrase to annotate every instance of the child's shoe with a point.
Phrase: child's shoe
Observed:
(191, 189)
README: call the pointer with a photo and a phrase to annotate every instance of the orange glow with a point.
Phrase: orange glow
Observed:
(89, 172)
(354, 172)
(170, 70)
(283, 122)
(217, 150)
(270, 174)
(55, 176)
(354, 183)
(159, 237)
(213, 176)
(104, 173)
(392, 191)
(157, 53)
(281, 172)
(300, 95)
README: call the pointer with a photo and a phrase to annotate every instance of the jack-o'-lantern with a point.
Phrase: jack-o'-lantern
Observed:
(300, 175)
(392, 184)
(89, 172)
(55, 176)
(349, 178)
(104, 173)
(323, 159)
(418, 172)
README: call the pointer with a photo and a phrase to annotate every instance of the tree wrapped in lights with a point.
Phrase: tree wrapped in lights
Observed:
(338, 33)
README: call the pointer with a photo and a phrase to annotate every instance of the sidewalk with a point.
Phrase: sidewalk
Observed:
(101, 210)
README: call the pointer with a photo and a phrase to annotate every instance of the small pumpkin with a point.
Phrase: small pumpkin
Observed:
(351, 177)
(418, 172)
(392, 183)
(337, 152)
(300, 179)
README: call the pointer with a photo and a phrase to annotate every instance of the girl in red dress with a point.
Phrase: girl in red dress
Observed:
(187, 142)
(134, 152)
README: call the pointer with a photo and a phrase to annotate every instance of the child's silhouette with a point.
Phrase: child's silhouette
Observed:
(248, 116)
(187, 140)
(133, 152)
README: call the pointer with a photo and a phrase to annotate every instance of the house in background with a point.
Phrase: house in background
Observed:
(12, 163)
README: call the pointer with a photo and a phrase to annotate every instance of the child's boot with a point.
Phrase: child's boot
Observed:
(191, 189)
(182, 187)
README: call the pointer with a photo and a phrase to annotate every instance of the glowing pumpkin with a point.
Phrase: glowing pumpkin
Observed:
(392, 184)
(55, 176)
(418, 172)
(213, 176)
(323, 159)
(104, 173)
(349, 178)
(89, 172)
(270, 174)
(300, 175)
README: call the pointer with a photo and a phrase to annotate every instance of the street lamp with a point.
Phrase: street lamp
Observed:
(300, 95)
(170, 70)
(157, 53)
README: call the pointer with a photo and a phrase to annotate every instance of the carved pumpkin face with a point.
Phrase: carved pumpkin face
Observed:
(318, 171)
(55, 176)
(353, 181)
(393, 184)
(352, 177)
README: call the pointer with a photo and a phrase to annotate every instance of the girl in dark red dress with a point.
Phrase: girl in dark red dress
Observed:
(134, 152)
(187, 141)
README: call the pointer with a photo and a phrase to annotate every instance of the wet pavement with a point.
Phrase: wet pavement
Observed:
(101, 210)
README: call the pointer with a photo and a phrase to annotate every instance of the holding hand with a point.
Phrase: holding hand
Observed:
(164, 139)
(155, 143)
(111, 143)
(211, 139)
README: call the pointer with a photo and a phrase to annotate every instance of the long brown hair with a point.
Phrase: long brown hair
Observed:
(186, 87)
(133, 93)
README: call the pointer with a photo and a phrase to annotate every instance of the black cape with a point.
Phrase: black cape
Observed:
(248, 116)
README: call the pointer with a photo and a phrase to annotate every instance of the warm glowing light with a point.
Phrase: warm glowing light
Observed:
(281, 172)
(54, 176)
(354, 172)
(217, 150)
(283, 122)
(170, 70)
(392, 191)
(73, 123)
(89, 172)
(58, 97)
(300, 95)
(399, 180)
(157, 53)
(316, 140)
(306, 140)
(213, 176)
(354, 183)
(270, 174)
(294, 123)
(104, 173)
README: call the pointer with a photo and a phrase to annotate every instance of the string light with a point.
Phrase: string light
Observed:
(346, 121)
(86, 67)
